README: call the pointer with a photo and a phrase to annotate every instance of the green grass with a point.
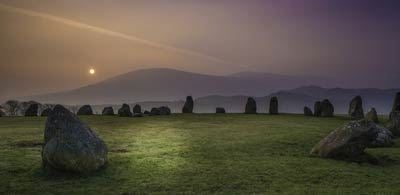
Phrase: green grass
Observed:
(200, 153)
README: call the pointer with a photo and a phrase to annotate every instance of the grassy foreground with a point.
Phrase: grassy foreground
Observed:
(200, 153)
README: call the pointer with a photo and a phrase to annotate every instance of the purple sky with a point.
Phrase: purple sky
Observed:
(356, 41)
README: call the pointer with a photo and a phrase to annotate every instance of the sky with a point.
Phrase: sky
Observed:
(50, 45)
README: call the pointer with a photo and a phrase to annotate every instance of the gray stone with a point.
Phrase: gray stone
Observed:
(307, 111)
(317, 108)
(70, 145)
(220, 110)
(356, 111)
(372, 115)
(154, 111)
(327, 108)
(85, 110)
(108, 111)
(46, 112)
(273, 105)
(164, 110)
(396, 103)
(384, 138)
(125, 111)
(348, 141)
(137, 109)
(251, 106)
(394, 123)
(32, 110)
(189, 104)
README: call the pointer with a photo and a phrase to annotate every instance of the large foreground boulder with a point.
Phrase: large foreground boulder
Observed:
(307, 111)
(137, 109)
(108, 111)
(356, 111)
(317, 108)
(189, 104)
(384, 138)
(273, 105)
(32, 110)
(251, 106)
(220, 110)
(327, 109)
(349, 141)
(372, 115)
(70, 145)
(85, 110)
(394, 123)
(125, 111)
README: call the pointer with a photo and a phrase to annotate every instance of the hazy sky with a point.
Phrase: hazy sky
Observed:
(49, 45)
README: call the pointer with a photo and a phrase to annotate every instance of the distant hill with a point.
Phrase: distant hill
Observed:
(163, 84)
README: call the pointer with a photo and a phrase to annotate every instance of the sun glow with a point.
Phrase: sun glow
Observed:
(92, 71)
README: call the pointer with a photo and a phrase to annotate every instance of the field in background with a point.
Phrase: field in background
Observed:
(200, 153)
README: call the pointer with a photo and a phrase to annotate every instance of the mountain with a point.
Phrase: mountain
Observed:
(170, 85)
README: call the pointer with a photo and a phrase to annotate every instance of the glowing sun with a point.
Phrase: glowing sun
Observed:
(92, 71)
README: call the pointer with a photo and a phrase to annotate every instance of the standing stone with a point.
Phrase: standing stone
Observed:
(46, 112)
(307, 111)
(273, 105)
(108, 111)
(348, 141)
(154, 111)
(251, 106)
(70, 145)
(137, 109)
(396, 103)
(372, 115)
(327, 109)
(85, 110)
(32, 110)
(189, 104)
(2, 112)
(164, 110)
(317, 108)
(220, 110)
(125, 111)
(394, 123)
(356, 111)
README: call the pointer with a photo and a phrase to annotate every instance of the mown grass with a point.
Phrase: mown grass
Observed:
(198, 153)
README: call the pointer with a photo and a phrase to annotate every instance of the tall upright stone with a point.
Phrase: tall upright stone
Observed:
(396, 103)
(273, 105)
(372, 115)
(327, 108)
(251, 106)
(356, 111)
(125, 111)
(307, 111)
(189, 104)
(137, 109)
(85, 110)
(70, 145)
(317, 108)
(394, 123)
(32, 110)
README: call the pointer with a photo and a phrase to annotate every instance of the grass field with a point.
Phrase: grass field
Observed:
(200, 153)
